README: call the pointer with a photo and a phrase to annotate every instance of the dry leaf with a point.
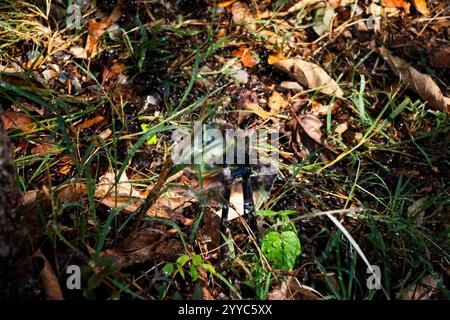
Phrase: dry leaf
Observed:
(421, 6)
(311, 124)
(292, 289)
(72, 192)
(276, 102)
(49, 281)
(45, 148)
(246, 57)
(226, 3)
(241, 14)
(107, 186)
(260, 112)
(275, 57)
(421, 291)
(89, 123)
(396, 4)
(439, 25)
(78, 52)
(303, 4)
(334, 3)
(310, 75)
(421, 83)
(97, 29)
(442, 58)
(17, 120)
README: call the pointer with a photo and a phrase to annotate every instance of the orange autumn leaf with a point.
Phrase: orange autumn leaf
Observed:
(97, 29)
(89, 123)
(273, 58)
(226, 3)
(246, 57)
(421, 6)
(396, 4)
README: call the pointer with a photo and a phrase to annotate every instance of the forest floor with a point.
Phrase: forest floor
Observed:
(358, 207)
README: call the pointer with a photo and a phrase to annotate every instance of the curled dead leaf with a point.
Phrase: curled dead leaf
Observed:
(310, 75)
(49, 280)
(292, 289)
(421, 83)
(311, 124)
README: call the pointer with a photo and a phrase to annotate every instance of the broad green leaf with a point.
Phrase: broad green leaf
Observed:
(168, 269)
(193, 272)
(281, 249)
(197, 260)
(182, 260)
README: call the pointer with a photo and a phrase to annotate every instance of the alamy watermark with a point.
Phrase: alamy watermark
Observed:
(74, 279)
(374, 280)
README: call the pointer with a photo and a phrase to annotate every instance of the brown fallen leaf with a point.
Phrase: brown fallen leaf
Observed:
(439, 25)
(71, 192)
(311, 124)
(225, 3)
(90, 122)
(106, 186)
(421, 6)
(292, 289)
(260, 112)
(421, 291)
(421, 83)
(17, 120)
(310, 75)
(241, 14)
(442, 58)
(45, 147)
(49, 280)
(276, 102)
(96, 30)
(396, 4)
(302, 4)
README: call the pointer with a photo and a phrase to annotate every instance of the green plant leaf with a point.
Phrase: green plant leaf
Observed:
(193, 272)
(168, 269)
(197, 260)
(153, 139)
(181, 271)
(281, 249)
(270, 213)
(209, 268)
(182, 260)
